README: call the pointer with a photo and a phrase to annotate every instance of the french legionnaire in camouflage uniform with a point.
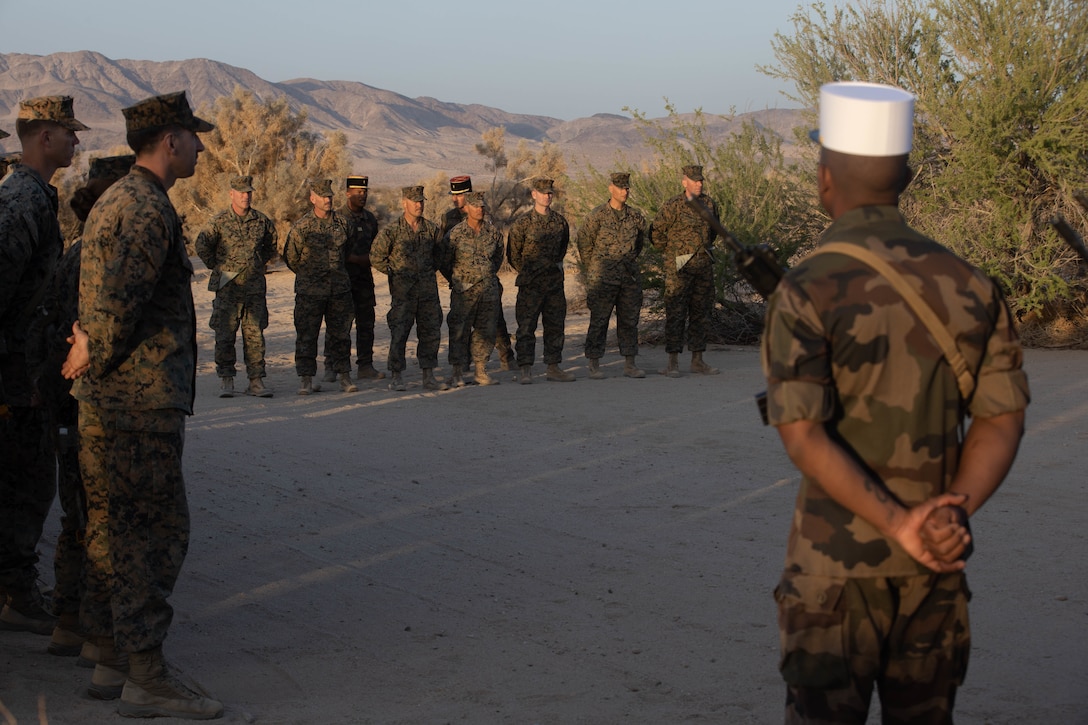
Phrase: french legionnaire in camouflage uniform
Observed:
(609, 242)
(536, 246)
(134, 354)
(236, 246)
(471, 256)
(30, 245)
(406, 251)
(362, 228)
(459, 187)
(316, 251)
(871, 407)
(686, 243)
(51, 332)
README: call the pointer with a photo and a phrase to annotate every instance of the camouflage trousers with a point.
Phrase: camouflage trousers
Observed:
(689, 299)
(502, 332)
(543, 299)
(137, 522)
(362, 298)
(908, 637)
(414, 304)
(27, 487)
(336, 310)
(233, 309)
(473, 320)
(602, 298)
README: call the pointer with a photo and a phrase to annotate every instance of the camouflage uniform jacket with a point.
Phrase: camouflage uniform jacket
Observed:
(609, 242)
(30, 245)
(471, 259)
(678, 230)
(537, 243)
(240, 246)
(450, 219)
(362, 228)
(406, 254)
(136, 301)
(316, 251)
(843, 348)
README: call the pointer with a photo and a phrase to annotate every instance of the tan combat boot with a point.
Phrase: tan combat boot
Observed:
(430, 382)
(557, 375)
(396, 382)
(346, 386)
(630, 370)
(526, 377)
(110, 670)
(700, 367)
(25, 612)
(458, 377)
(482, 378)
(66, 640)
(330, 376)
(367, 372)
(226, 387)
(672, 367)
(153, 691)
(305, 384)
(595, 369)
(257, 389)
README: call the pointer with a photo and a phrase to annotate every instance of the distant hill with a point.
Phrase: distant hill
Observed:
(395, 139)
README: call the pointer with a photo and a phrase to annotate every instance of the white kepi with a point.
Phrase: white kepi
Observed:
(865, 119)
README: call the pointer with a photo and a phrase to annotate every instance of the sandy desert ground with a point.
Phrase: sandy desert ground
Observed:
(594, 552)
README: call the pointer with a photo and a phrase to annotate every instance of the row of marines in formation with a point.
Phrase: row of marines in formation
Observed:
(332, 254)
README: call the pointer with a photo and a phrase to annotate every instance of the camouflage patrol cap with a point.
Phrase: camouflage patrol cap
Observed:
(163, 111)
(57, 109)
(242, 183)
(357, 182)
(474, 198)
(693, 172)
(110, 167)
(321, 187)
(412, 193)
(544, 186)
(460, 185)
(621, 181)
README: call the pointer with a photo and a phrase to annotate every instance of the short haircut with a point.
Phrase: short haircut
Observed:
(142, 140)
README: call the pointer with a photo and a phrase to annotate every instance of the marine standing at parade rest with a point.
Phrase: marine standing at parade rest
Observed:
(362, 229)
(236, 246)
(609, 242)
(30, 245)
(52, 330)
(134, 353)
(470, 257)
(536, 247)
(686, 243)
(406, 251)
(316, 251)
(871, 408)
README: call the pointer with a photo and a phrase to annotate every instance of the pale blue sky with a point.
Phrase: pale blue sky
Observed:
(564, 58)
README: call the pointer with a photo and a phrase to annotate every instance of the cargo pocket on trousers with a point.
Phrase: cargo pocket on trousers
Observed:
(812, 632)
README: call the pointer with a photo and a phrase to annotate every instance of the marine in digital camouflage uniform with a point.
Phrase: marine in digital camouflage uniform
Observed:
(5, 159)
(134, 354)
(536, 247)
(236, 246)
(51, 332)
(406, 251)
(609, 242)
(686, 242)
(30, 245)
(316, 251)
(362, 228)
(470, 258)
(873, 594)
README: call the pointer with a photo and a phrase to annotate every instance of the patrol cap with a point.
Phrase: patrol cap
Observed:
(865, 119)
(110, 167)
(156, 112)
(693, 172)
(357, 182)
(242, 183)
(321, 187)
(460, 185)
(475, 198)
(412, 193)
(57, 109)
(544, 186)
(621, 181)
